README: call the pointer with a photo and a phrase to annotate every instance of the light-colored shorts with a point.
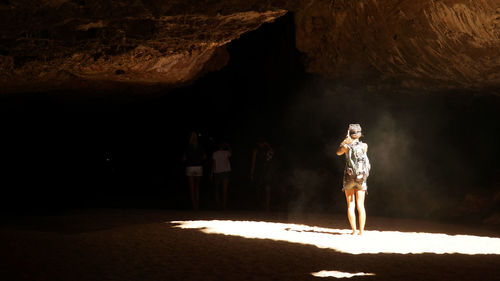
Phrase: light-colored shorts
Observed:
(194, 171)
(352, 184)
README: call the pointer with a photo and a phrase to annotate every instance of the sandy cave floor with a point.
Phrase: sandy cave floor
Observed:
(115, 244)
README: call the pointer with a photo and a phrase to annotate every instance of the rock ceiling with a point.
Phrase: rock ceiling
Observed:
(51, 44)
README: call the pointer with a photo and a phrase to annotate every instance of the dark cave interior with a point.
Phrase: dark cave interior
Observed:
(428, 149)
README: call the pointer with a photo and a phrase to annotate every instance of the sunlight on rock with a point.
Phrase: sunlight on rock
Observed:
(371, 242)
(338, 274)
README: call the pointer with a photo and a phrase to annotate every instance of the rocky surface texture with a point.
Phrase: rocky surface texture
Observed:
(450, 43)
(49, 44)
(61, 43)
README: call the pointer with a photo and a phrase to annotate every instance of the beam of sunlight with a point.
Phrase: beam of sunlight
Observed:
(338, 274)
(371, 242)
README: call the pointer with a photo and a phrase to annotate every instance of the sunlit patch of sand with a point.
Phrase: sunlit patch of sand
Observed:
(371, 242)
(338, 274)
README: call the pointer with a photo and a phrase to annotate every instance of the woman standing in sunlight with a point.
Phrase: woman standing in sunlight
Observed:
(356, 172)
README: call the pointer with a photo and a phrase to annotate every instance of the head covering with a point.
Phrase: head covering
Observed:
(354, 128)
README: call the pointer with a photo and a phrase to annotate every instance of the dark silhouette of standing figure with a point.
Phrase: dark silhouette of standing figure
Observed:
(355, 174)
(194, 156)
(261, 170)
(221, 171)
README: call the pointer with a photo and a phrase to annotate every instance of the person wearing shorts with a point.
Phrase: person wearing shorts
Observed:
(355, 188)
(221, 170)
(194, 155)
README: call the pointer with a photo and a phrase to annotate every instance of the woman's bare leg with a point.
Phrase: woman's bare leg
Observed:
(192, 191)
(216, 189)
(351, 215)
(225, 183)
(268, 197)
(360, 203)
(197, 192)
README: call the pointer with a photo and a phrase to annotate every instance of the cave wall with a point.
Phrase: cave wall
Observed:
(63, 43)
(428, 44)
(452, 43)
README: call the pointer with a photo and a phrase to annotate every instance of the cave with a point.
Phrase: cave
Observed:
(98, 100)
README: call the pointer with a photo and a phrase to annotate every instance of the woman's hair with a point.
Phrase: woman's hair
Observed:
(353, 128)
(193, 139)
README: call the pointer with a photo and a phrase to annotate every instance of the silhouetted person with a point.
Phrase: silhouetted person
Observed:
(356, 172)
(221, 171)
(261, 170)
(194, 156)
